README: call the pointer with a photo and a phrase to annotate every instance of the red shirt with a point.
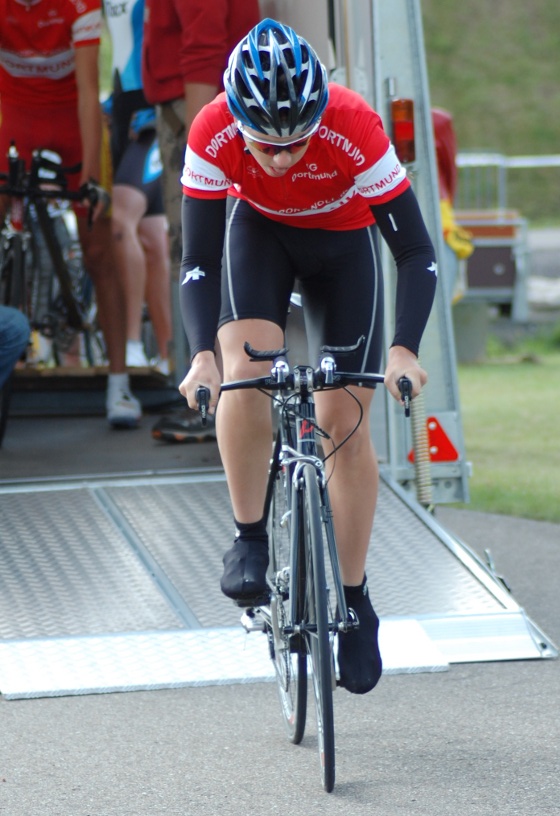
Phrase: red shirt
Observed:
(348, 165)
(190, 41)
(37, 42)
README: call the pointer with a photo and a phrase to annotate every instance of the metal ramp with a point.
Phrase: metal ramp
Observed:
(112, 584)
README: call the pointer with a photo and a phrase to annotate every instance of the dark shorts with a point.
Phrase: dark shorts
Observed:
(140, 167)
(338, 275)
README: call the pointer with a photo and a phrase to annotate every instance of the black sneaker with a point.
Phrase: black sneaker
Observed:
(184, 426)
(244, 577)
(359, 659)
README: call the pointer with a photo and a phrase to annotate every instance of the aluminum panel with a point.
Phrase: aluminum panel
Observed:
(412, 572)
(186, 527)
(54, 667)
(100, 581)
(66, 569)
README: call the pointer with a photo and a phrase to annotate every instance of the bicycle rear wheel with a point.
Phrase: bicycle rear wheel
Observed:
(289, 653)
(316, 624)
(12, 293)
(12, 275)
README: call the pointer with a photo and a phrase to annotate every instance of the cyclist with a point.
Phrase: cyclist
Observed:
(49, 92)
(305, 169)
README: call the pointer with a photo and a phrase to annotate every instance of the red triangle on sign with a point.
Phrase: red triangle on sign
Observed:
(441, 447)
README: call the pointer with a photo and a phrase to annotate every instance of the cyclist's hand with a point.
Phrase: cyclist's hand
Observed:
(203, 371)
(404, 363)
(96, 198)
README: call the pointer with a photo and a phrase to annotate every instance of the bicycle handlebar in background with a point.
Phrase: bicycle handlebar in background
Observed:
(46, 179)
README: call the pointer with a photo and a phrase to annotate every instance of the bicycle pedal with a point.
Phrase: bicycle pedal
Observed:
(251, 622)
(254, 602)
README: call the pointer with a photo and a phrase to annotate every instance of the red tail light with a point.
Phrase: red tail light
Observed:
(402, 120)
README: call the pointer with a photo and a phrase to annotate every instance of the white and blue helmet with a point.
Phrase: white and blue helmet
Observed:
(275, 82)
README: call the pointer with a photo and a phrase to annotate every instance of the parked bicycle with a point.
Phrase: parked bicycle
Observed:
(41, 267)
(306, 607)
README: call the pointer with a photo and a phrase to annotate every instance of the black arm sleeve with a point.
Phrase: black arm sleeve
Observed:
(203, 222)
(402, 226)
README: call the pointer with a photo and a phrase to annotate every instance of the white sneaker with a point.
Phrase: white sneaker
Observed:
(161, 365)
(123, 410)
(135, 355)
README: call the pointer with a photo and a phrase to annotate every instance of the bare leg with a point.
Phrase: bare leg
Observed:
(353, 493)
(99, 258)
(129, 206)
(244, 423)
(155, 243)
(353, 481)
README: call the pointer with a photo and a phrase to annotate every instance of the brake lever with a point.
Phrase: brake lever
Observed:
(405, 387)
(202, 399)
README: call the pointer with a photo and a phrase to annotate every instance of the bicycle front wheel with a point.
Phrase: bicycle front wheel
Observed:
(289, 654)
(316, 624)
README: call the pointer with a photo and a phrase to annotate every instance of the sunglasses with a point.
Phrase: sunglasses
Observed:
(274, 148)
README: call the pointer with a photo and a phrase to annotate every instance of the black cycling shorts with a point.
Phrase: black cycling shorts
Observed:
(338, 273)
(140, 167)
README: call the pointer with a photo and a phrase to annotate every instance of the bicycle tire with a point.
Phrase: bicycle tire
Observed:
(289, 653)
(316, 625)
(73, 310)
(12, 292)
(12, 275)
(5, 398)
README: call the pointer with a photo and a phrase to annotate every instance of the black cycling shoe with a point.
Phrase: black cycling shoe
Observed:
(359, 659)
(244, 577)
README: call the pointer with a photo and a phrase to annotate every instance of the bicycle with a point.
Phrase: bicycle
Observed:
(41, 269)
(305, 608)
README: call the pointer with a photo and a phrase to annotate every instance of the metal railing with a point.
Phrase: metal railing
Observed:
(483, 177)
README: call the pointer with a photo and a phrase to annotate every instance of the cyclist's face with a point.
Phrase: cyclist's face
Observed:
(274, 160)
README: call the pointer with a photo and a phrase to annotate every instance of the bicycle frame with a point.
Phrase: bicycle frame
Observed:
(294, 458)
(299, 618)
(45, 181)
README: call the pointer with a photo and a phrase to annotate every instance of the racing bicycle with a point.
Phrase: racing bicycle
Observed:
(306, 606)
(41, 266)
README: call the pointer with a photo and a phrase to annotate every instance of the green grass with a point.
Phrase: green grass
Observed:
(495, 67)
(510, 422)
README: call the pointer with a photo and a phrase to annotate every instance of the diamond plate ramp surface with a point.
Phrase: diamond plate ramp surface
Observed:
(92, 570)
(186, 527)
(412, 572)
(66, 569)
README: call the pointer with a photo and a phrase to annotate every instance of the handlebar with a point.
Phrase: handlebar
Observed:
(323, 378)
(202, 399)
(46, 179)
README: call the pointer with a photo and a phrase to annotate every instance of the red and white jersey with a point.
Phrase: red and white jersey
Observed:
(349, 164)
(37, 42)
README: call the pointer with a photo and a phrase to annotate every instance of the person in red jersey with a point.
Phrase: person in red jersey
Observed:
(185, 51)
(289, 178)
(49, 98)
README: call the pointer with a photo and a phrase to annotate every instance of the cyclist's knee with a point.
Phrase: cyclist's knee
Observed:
(342, 422)
(98, 251)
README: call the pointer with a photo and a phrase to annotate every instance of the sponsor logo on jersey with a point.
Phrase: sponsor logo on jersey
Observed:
(115, 9)
(201, 180)
(343, 143)
(383, 183)
(193, 274)
(55, 66)
(221, 139)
